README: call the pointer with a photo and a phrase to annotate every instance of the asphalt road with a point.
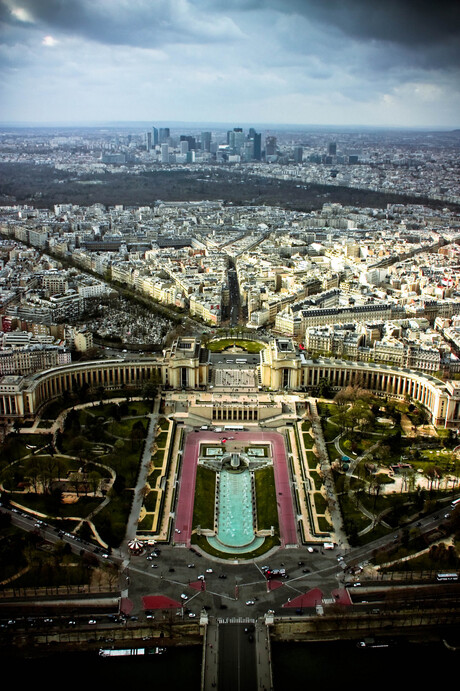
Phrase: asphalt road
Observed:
(237, 659)
(230, 584)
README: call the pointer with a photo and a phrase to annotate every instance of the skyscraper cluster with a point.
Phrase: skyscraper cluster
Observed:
(239, 146)
(248, 147)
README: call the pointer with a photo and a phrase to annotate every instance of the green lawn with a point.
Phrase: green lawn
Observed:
(43, 504)
(205, 497)
(84, 431)
(267, 512)
(160, 440)
(333, 453)
(220, 345)
(320, 503)
(330, 431)
(324, 525)
(153, 477)
(316, 480)
(312, 461)
(150, 501)
(158, 458)
(268, 543)
(308, 441)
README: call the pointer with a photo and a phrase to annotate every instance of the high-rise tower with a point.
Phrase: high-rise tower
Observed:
(164, 135)
(206, 141)
(270, 146)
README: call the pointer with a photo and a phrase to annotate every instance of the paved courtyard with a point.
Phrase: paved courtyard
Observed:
(184, 511)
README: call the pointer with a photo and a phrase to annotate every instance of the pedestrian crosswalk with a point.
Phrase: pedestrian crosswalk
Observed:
(236, 620)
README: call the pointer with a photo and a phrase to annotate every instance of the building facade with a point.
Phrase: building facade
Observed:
(186, 366)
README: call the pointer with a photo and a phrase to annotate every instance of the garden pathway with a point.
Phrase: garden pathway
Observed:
(144, 470)
(334, 509)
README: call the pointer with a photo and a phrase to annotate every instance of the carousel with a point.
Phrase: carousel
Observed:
(135, 546)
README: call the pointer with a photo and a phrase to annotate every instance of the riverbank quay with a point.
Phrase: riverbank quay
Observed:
(21, 641)
(421, 624)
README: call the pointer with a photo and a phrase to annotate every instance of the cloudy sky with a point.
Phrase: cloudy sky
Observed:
(326, 62)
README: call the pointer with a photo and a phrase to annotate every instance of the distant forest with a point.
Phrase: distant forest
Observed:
(43, 186)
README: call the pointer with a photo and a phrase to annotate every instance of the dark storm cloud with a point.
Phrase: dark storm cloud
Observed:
(147, 23)
(334, 61)
(409, 22)
(427, 32)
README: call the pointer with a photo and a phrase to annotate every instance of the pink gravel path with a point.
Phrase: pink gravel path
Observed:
(184, 510)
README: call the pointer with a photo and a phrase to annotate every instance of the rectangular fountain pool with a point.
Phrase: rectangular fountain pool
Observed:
(235, 519)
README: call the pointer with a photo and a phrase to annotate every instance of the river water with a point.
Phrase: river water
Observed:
(344, 665)
(295, 665)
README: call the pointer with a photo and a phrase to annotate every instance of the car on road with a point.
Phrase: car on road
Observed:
(310, 549)
(192, 615)
(184, 596)
(154, 566)
(208, 570)
(92, 621)
(200, 577)
(191, 566)
(250, 602)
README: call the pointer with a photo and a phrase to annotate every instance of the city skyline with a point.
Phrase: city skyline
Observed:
(259, 61)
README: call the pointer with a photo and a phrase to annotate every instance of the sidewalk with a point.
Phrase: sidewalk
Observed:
(136, 505)
(263, 657)
(210, 661)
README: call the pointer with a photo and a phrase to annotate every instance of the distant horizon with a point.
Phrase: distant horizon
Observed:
(197, 124)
